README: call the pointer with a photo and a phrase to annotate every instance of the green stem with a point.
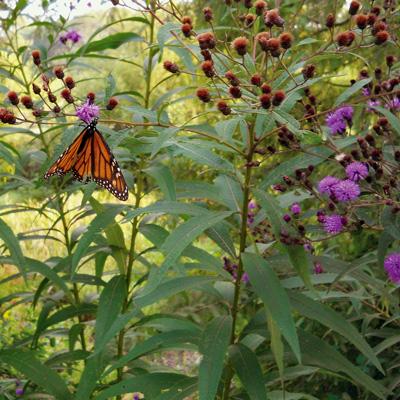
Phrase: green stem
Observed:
(242, 247)
(138, 197)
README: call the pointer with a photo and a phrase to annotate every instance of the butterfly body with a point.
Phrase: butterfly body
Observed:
(89, 158)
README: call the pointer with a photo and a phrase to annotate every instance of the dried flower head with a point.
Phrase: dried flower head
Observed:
(27, 102)
(206, 40)
(186, 30)
(278, 98)
(361, 21)
(233, 80)
(265, 100)
(256, 80)
(13, 97)
(235, 92)
(330, 21)
(203, 94)
(66, 94)
(112, 103)
(208, 14)
(381, 37)
(354, 7)
(272, 18)
(286, 40)
(240, 45)
(69, 82)
(260, 6)
(208, 68)
(345, 38)
(171, 67)
(36, 57)
(223, 107)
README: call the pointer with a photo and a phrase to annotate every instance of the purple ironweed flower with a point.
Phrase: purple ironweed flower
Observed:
(366, 91)
(252, 205)
(338, 119)
(392, 267)
(87, 112)
(356, 171)
(346, 190)
(245, 278)
(333, 224)
(327, 184)
(394, 105)
(318, 268)
(72, 35)
(295, 208)
(19, 391)
(372, 103)
(308, 247)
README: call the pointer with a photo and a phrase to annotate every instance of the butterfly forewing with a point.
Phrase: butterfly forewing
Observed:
(90, 158)
(106, 171)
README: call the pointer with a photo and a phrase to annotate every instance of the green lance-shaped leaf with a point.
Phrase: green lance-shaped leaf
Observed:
(163, 176)
(26, 363)
(213, 347)
(268, 287)
(151, 385)
(249, 371)
(351, 90)
(297, 254)
(101, 221)
(109, 42)
(393, 120)
(333, 320)
(318, 353)
(110, 304)
(179, 240)
(12, 243)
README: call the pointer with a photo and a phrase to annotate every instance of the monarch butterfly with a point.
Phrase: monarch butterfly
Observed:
(90, 158)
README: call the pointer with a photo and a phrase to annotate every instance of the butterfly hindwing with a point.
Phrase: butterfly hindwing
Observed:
(90, 158)
(106, 171)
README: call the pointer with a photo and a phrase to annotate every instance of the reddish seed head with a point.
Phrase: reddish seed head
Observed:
(206, 55)
(186, 20)
(112, 103)
(58, 72)
(208, 14)
(371, 19)
(265, 88)
(235, 92)
(308, 71)
(66, 95)
(223, 107)
(262, 39)
(248, 3)
(378, 26)
(13, 97)
(265, 100)
(8, 117)
(91, 96)
(36, 89)
(56, 109)
(272, 18)
(278, 97)
(376, 10)
(240, 45)
(345, 38)
(260, 6)
(52, 98)
(330, 21)
(203, 94)
(249, 20)
(273, 45)
(233, 80)
(69, 82)
(27, 101)
(354, 7)
(208, 69)
(361, 21)
(256, 80)
(390, 60)
(206, 40)
(36, 57)
(171, 67)
(381, 37)
(186, 29)
(286, 40)
(37, 113)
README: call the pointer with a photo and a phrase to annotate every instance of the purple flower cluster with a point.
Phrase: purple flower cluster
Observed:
(338, 120)
(333, 224)
(347, 189)
(251, 214)
(295, 209)
(392, 267)
(87, 112)
(394, 104)
(318, 269)
(356, 171)
(71, 35)
(232, 269)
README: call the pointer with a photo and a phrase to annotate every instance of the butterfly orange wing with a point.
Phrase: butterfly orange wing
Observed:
(68, 158)
(105, 169)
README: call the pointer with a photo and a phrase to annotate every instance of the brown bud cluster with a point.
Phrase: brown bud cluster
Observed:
(345, 39)
(208, 68)
(240, 45)
(233, 80)
(206, 40)
(7, 117)
(223, 107)
(36, 57)
(13, 97)
(66, 95)
(272, 18)
(171, 67)
(203, 94)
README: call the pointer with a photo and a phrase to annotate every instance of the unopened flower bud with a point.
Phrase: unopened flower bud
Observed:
(235, 92)
(286, 40)
(265, 100)
(354, 7)
(223, 107)
(203, 94)
(13, 97)
(171, 67)
(58, 72)
(256, 80)
(27, 101)
(330, 21)
(240, 45)
(112, 103)
(208, 14)
(69, 82)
